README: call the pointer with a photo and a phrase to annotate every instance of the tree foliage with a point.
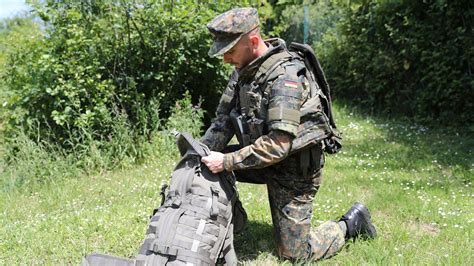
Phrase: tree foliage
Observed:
(408, 58)
(17, 37)
(401, 58)
(288, 21)
(105, 59)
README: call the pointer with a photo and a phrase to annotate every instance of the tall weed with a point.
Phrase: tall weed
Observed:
(30, 162)
(185, 117)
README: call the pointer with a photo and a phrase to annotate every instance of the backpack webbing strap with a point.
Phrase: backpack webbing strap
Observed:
(222, 234)
(189, 232)
(183, 249)
(170, 222)
(203, 214)
(150, 259)
(215, 196)
(228, 250)
(96, 259)
(196, 255)
(158, 247)
(145, 247)
(200, 225)
(152, 227)
(181, 242)
(207, 192)
(271, 62)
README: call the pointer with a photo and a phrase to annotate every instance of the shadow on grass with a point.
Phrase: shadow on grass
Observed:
(445, 149)
(256, 238)
(397, 143)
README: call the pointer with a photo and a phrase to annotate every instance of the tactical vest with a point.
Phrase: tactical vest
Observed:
(316, 123)
(195, 223)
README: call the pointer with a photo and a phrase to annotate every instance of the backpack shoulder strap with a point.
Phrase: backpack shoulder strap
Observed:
(267, 67)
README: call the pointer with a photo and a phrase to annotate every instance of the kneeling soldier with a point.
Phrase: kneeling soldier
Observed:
(264, 103)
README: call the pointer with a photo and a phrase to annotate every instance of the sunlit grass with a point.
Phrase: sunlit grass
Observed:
(416, 181)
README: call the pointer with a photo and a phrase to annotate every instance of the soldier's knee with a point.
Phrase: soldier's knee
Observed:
(298, 212)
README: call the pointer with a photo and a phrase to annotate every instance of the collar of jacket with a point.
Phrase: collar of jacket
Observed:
(275, 45)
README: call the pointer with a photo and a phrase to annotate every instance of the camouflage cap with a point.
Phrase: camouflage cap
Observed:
(230, 26)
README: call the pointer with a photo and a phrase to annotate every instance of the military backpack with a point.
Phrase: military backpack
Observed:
(195, 223)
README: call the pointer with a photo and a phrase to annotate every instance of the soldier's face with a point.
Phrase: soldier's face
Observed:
(241, 54)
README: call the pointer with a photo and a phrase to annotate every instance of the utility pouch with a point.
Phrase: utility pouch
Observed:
(239, 218)
(256, 128)
(241, 128)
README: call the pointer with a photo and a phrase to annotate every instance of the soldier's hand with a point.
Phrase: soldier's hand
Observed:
(214, 161)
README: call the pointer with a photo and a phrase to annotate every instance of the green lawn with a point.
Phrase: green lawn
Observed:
(416, 181)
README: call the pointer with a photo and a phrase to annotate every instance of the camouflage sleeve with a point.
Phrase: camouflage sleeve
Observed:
(285, 101)
(267, 150)
(221, 130)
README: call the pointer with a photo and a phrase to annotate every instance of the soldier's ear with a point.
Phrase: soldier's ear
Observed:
(254, 41)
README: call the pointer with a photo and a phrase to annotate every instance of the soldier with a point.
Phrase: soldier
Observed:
(262, 105)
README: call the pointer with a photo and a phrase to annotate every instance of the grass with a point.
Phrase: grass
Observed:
(416, 181)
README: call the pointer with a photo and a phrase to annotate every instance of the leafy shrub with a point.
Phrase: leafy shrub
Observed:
(101, 60)
(94, 90)
(405, 58)
(185, 117)
(18, 36)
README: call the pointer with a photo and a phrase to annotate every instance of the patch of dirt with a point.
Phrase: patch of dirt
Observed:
(423, 229)
(380, 215)
(430, 229)
(366, 194)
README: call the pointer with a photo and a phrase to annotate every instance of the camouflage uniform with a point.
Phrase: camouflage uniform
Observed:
(277, 104)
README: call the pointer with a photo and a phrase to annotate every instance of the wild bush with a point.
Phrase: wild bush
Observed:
(103, 59)
(95, 89)
(405, 58)
(18, 36)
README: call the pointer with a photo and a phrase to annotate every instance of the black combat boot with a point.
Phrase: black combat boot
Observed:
(357, 219)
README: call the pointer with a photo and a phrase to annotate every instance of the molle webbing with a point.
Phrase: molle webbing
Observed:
(194, 222)
(286, 114)
(194, 225)
(287, 96)
(287, 92)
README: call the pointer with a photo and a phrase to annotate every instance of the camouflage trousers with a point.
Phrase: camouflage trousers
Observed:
(291, 191)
